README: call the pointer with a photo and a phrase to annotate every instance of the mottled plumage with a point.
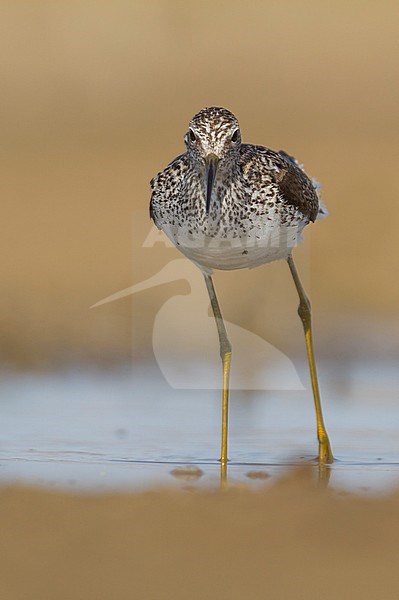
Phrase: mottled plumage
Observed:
(259, 202)
(228, 205)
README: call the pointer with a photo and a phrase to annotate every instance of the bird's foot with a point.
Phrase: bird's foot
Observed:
(326, 456)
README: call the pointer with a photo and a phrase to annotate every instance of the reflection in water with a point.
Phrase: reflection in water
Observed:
(257, 474)
(97, 431)
(188, 472)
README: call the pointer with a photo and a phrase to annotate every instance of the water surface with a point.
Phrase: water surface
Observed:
(128, 429)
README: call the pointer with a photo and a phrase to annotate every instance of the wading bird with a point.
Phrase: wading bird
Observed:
(229, 205)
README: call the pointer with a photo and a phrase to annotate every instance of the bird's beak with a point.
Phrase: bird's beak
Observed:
(211, 163)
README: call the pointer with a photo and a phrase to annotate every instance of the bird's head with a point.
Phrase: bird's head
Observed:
(213, 142)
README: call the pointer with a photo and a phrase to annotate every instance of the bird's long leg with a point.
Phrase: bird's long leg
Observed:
(325, 452)
(225, 354)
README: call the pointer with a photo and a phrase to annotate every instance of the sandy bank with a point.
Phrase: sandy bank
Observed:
(293, 540)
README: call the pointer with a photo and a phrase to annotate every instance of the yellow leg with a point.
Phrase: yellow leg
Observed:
(225, 354)
(226, 360)
(325, 452)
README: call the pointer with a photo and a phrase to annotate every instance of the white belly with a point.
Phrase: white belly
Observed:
(263, 243)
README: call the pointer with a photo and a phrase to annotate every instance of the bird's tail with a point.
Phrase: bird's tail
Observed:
(323, 210)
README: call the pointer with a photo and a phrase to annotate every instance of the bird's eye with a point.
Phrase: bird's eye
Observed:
(192, 135)
(234, 137)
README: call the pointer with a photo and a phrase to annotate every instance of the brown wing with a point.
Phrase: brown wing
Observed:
(293, 185)
(296, 187)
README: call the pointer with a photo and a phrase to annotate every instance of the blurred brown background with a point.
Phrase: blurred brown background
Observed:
(95, 99)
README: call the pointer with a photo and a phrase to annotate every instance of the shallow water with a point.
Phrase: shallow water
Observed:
(129, 430)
